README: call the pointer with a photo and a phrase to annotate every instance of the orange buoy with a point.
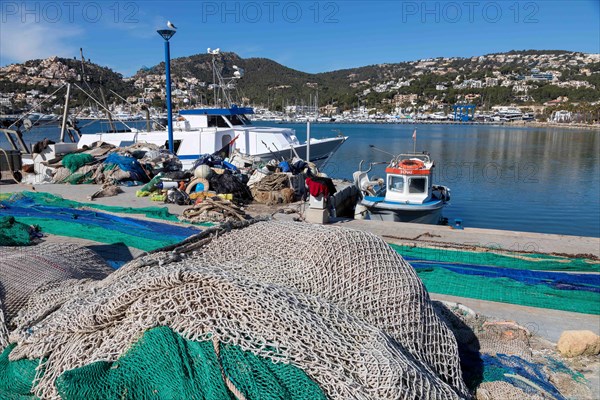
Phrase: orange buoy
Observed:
(408, 167)
(411, 164)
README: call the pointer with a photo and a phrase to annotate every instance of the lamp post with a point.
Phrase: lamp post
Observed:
(168, 34)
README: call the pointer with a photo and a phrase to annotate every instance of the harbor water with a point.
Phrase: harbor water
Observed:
(513, 178)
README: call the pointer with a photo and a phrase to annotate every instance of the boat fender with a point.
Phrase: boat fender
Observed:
(167, 185)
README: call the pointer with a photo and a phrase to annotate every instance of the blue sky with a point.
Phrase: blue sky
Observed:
(311, 36)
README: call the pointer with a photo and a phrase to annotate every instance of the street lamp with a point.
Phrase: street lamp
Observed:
(168, 34)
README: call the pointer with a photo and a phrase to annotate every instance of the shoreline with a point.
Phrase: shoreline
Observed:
(519, 124)
(525, 124)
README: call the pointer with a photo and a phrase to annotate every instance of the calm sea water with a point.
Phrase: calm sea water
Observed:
(523, 179)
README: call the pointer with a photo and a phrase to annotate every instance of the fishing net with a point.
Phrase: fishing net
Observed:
(29, 270)
(41, 199)
(76, 160)
(128, 164)
(504, 361)
(72, 219)
(352, 269)
(226, 183)
(501, 390)
(14, 233)
(513, 260)
(337, 304)
(525, 279)
(3, 328)
(273, 189)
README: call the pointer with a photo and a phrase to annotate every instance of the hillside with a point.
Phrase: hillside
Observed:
(516, 77)
(46, 76)
(527, 76)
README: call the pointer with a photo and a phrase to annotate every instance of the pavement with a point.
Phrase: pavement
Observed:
(545, 322)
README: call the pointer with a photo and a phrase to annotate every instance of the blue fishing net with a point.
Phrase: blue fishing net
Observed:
(556, 280)
(520, 373)
(27, 207)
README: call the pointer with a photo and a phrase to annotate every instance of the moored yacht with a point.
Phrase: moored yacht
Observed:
(508, 114)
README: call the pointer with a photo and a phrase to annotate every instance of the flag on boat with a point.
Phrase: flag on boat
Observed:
(415, 134)
(225, 151)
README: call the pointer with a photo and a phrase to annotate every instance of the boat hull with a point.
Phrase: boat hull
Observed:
(381, 210)
(320, 150)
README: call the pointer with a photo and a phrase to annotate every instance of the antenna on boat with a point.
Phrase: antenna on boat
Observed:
(382, 151)
(221, 84)
(414, 137)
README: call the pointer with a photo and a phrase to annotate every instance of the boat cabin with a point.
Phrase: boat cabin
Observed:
(219, 126)
(216, 117)
(409, 179)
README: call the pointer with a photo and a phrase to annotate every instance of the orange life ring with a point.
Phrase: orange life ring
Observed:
(411, 164)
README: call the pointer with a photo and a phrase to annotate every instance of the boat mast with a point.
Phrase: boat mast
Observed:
(108, 113)
(214, 68)
(65, 114)
(224, 84)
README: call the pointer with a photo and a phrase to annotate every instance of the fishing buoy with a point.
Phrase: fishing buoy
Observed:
(203, 171)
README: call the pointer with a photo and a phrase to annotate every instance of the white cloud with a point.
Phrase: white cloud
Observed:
(26, 41)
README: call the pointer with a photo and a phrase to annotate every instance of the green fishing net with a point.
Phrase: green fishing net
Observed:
(164, 365)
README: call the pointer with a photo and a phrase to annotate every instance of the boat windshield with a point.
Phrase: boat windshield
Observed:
(396, 184)
(417, 185)
(239, 119)
(217, 121)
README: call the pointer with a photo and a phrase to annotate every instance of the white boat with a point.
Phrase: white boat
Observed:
(406, 195)
(35, 117)
(208, 130)
(125, 116)
(509, 114)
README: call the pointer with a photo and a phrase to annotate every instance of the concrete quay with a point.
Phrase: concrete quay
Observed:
(476, 238)
(547, 323)
(392, 232)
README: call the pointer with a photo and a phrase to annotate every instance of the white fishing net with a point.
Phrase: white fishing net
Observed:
(339, 304)
(352, 269)
(29, 269)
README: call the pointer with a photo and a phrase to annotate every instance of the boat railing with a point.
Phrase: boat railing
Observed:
(371, 164)
(424, 156)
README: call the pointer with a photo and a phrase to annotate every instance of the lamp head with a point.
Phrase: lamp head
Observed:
(166, 33)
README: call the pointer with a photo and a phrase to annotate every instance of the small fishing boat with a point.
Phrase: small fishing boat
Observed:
(406, 195)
